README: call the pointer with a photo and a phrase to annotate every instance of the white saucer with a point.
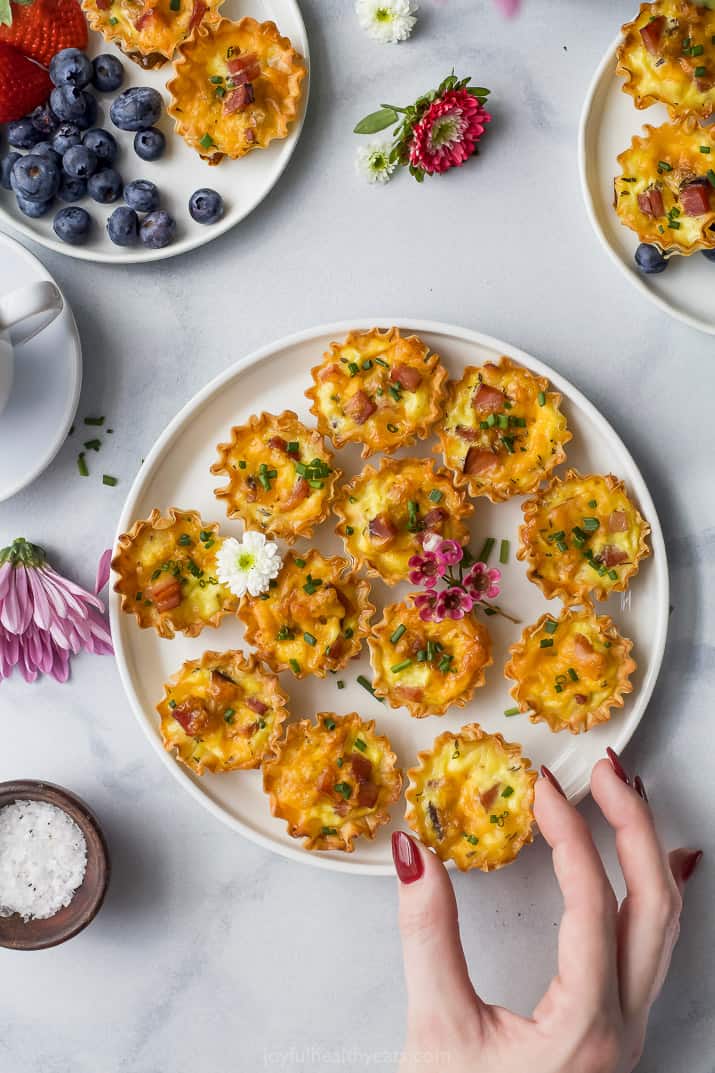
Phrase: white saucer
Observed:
(45, 391)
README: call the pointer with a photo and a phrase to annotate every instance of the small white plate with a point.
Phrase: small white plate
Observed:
(45, 390)
(176, 473)
(686, 289)
(243, 184)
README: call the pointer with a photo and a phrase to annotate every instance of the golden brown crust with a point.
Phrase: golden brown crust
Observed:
(222, 712)
(149, 31)
(570, 671)
(471, 799)
(320, 798)
(396, 381)
(150, 555)
(313, 597)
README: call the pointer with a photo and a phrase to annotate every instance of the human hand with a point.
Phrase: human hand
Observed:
(611, 962)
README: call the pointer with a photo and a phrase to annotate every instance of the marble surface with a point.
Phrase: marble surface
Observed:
(211, 954)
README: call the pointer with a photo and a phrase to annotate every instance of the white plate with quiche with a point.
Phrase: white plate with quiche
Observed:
(458, 454)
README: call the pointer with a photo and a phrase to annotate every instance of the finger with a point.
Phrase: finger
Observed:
(587, 937)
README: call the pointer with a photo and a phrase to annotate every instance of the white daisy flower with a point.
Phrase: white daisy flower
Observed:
(248, 565)
(387, 21)
(373, 162)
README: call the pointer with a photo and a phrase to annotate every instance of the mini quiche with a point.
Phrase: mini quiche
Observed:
(571, 671)
(582, 534)
(502, 431)
(668, 54)
(167, 573)
(666, 192)
(280, 476)
(237, 87)
(222, 713)
(313, 620)
(384, 514)
(471, 799)
(427, 666)
(332, 781)
(149, 31)
(377, 389)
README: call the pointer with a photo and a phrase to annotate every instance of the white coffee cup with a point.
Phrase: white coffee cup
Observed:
(23, 314)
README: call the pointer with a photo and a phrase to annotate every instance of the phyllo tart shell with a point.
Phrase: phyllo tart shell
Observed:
(314, 618)
(386, 513)
(377, 389)
(502, 430)
(149, 31)
(569, 672)
(280, 474)
(332, 780)
(471, 799)
(167, 573)
(427, 667)
(222, 712)
(237, 87)
(582, 535)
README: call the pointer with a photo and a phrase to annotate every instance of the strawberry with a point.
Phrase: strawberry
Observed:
(23, 85)
(40, 28)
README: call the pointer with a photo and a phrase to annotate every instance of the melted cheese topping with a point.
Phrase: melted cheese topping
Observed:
(571, 671)
(377, 389)
(580, 535)
(403, 494)
(203, 86)
(667, 161)
(180, 547)
(314, 787)
(154, 29)
(281, 478)
(221, 713)
(471, 799)
(427, 666)
(680, 68)
(512, 442)
(313, 620)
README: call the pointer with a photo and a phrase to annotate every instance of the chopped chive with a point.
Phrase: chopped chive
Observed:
(108, 479)
(551, 626)
(94, 421)
(395, 392)
(435, 495)
(591, 524)
(294, 666)
(444, 664)
(329, 723)
(593, 503)
(663, 165)
(216, 79)
(401, 666)
(507, 791)
(512, 711)
(309, 639)
(242, 463)
(573, 675)
(558, 535)
(82, 465)
(328, 830)
(175, 5)
(546, 642)
(229, 714)
(394, 638)
(343, 788)
(486, 551)
(349, 530)
(293, 447)
(541, 398)
(704, 148)
(491, 421)
(184, 540)
(613, 574)
(348, 632)
(562, 545)
(362, 680)
(360, 744)
(391, 428)
(384, 364)
(508, 442)
(284, 634)
(352, 368)
(700, 72)
(472, 839)
(367, 364)
(92, 445)
(711, 177)
(299, 562)
(502, 421)
(113, 20)
(697, 50)
(206, 142)
(340, 683)
(558, 688)
(504, 551)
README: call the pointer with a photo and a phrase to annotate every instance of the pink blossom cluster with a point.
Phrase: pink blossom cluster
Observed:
(443, 561)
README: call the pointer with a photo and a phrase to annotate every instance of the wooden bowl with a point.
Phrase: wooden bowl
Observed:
(15, 933)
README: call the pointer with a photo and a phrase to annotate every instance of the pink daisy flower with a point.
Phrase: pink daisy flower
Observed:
(426, 569)
(481, 583)
(448, 132)
(452, 603)
(425, 603)
(450, 552)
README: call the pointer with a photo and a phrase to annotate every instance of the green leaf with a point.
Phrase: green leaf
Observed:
(374, 122)
(24, 3)
(479, 91)
(5, 13)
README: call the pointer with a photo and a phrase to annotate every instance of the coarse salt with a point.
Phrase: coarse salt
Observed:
(43, 858)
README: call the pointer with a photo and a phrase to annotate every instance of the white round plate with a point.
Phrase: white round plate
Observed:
(608, 122)
(176, 473)
(45, 390)
(243, 184)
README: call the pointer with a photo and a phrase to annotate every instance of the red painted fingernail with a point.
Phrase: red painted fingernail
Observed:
(690, 863)
(617, 766)
(408, 862)
(640, 788)
(553, 780)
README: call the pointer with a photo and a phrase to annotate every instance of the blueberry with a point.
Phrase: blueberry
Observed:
(44, 120)
(206, 206)
(79, 162)
(6, 166)
(136, 109)
(35, 177)
(650, 260)
(105, 186)
(102, 143)
(123, 227)
(73, 105)
(23, 134)
(70, 67)
(45, 149)
(141, 195)
(107, 73)
(72, 189)
(33, 209)
(72, 225)
(157, 230)
(149, 144)
(66, 135)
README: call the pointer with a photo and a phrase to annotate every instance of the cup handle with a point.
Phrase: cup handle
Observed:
(27, 311)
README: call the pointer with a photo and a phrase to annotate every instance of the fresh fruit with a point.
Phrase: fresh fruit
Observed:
(44, 120)
(206, 206)
(141, 195)
(157, 230)
(42, 28)
(33, 209)
(102, 143)
(66, 135)
(45, 149)
(72, 225)
(72, 189)
(123, 227)
(79, 162)
(35, 177)
(6, 165)
(105, 186)
(136, 109)
(149, 144)
(72, 105)
(70, 67)
(650, 260)
(107, 73)
(23, 85)
(23, 134)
